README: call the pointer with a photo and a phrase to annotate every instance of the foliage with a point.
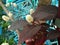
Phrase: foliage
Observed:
(3, 36)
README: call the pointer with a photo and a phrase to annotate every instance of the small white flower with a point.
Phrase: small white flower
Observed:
(14, 4)
(31, 11)
(5, 44)
(29, 18)
(9, 26)
(10, 14)
(8, 4)
(6, 18)
(55, 26)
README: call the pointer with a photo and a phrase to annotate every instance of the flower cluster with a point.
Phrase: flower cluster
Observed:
(19, 9)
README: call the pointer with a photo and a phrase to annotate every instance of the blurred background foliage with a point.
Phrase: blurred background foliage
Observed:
(4, 30)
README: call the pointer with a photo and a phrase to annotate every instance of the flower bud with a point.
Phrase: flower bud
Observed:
(14, 4)
(8, 4)
(10, 14)
(5, 44)
(6, 18)
(31, 11)
(29, 18)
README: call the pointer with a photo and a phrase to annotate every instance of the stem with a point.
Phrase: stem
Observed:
(4, 8)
